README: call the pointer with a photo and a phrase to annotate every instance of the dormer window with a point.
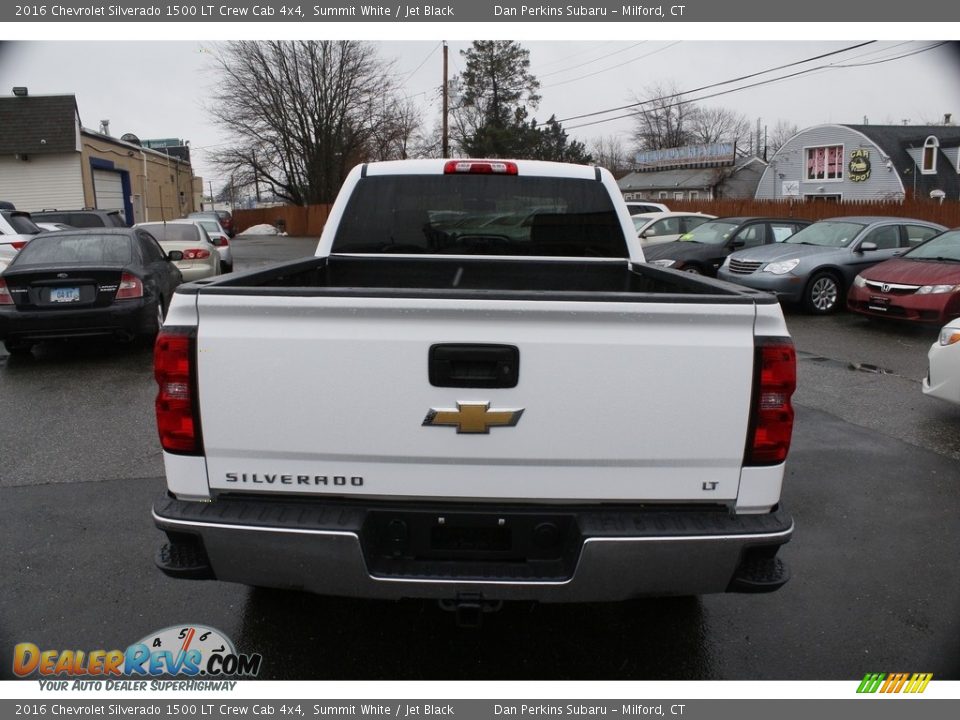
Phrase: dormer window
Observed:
(930, 147)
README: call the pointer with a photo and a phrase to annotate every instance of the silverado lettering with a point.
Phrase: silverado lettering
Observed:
(656, 403)
(264, 478)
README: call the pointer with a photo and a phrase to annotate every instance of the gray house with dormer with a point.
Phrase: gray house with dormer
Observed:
(865, 162)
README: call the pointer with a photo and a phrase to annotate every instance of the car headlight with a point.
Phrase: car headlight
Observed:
(782, 267)
(949, 336)
(664, 263)
(936, 289)
(858, 281)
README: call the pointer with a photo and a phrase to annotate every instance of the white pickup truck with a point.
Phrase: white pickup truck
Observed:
(475, 391)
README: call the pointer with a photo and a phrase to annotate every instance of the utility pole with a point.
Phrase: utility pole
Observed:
(445, 150)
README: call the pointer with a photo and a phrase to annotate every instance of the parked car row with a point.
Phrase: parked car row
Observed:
(881, 267)
(86, 282)
(61, 282)
(704, 248)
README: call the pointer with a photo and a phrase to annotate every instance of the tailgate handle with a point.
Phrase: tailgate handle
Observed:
(474, 366)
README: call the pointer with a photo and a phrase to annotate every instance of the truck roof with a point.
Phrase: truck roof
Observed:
(541, 168)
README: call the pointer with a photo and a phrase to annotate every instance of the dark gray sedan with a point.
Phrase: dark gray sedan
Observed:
(816, 266)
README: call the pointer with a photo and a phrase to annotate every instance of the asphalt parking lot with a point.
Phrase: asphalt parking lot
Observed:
(872, 481)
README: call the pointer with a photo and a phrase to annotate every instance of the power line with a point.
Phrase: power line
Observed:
(718, 84)
(747, 87)
(598, 59)
(613, 67)
(422, 63)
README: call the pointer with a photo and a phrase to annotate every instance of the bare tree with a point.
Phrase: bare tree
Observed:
(777, 138)
(394, 136)
(610, 153)
(299, 114)
(719, 125)
(662, 119)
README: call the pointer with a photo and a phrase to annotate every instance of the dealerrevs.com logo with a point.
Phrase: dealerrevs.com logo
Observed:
(912, 683)
(192, 650)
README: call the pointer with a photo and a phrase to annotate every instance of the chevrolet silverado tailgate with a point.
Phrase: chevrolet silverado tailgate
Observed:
(620, 401)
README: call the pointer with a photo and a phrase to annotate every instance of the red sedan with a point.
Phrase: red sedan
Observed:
(922, 285)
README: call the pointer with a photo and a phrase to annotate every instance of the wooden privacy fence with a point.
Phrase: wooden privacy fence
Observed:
(295, 219)
(308, 221)
(946, 213)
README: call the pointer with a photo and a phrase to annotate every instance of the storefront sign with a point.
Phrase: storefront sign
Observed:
(859, 166)
(713, 155)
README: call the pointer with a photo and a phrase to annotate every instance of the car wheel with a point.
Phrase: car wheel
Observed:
(15, 347)
(823, 294)
(226, 267)
(693, 270)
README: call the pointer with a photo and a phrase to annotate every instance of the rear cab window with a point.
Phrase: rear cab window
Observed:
(481, 215)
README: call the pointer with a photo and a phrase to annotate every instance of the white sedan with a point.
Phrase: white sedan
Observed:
(200, 256)
(662, 227)
(943, 377)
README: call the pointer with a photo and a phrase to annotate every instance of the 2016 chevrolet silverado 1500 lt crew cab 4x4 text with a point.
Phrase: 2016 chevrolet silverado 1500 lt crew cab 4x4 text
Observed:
(476, 391)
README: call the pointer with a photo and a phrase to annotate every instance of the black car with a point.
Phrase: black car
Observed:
(78, 283)
(86, 218)
(703, 249)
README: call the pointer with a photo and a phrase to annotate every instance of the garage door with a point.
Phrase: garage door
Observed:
(109, 190)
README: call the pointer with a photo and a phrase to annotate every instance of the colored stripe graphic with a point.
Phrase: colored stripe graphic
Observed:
(914, 683)
(871, 682)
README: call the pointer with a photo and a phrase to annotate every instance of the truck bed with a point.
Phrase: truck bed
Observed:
(473, 277)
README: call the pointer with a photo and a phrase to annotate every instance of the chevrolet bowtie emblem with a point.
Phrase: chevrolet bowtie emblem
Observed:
(473, 417)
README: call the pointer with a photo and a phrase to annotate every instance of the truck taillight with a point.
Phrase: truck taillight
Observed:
(480, 167)
(771, 415)
(5, 297)
(174, 367)
(130, 287)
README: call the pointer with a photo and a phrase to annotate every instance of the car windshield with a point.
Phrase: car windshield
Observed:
(480, 214)
(173, 232)
(75, 250)
(640, 220)
(945, 246)
(22, 224)
(711, 233)
(827, 234)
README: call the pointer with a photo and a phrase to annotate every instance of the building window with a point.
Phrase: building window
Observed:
(825, 163)
(930, 147)
(663, 195)
(694, 194)
(678, 195)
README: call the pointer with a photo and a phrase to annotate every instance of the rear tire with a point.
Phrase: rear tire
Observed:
(19, 348)
(153, 324)
(823, 294)
(693, 270)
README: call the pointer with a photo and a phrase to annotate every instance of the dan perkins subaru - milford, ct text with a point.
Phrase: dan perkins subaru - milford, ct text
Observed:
(545, 11)
(636, 709)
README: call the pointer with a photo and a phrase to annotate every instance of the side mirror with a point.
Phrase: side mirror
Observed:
(738, 244)
(867, 246)
(174, 255)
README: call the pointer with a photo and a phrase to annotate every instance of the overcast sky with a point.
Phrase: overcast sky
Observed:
(159, 89)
